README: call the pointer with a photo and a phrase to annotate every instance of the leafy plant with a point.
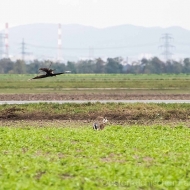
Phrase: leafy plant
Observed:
(120, 157)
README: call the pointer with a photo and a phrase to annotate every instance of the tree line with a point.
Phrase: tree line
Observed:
(111, 65)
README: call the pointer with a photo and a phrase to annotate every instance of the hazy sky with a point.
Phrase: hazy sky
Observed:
(97, 13)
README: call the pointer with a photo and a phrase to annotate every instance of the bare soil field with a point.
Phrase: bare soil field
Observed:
(142, 114)
(94, 96)
(89, 123)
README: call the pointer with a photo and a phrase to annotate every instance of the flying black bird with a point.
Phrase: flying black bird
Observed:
(49, 73)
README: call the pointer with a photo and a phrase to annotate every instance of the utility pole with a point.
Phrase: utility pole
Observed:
(59, 43)
(166, 45)
(7, 39)
(2, 36)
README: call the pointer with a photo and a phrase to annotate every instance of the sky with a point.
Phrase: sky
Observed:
(96, 13)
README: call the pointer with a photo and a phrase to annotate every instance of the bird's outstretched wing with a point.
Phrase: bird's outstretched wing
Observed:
(39, 77)
(54, 74)
(44, 76)
(44, 69)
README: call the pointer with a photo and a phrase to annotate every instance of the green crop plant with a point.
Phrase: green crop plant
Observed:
(76, 157)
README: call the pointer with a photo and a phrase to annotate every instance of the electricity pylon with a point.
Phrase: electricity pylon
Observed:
(166, 45)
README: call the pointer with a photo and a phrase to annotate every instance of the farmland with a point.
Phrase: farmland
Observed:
(53, 146)
(138, 113)
(119, 157)
(95, 87)
(90, 81)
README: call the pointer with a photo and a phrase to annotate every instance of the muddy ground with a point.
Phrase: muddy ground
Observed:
(89, 123)
(94, 96)
(13, 115)
(10, 116)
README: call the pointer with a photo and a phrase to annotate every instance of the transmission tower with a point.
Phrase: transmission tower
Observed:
(7, 40)
(2, 36)
(23, 48)
(166, 45)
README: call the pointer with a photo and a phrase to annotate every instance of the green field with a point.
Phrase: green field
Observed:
(53, 146)
(10, 83)
(119, 157)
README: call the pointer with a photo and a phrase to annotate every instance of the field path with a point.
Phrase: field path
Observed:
(94, 101)
(94, 96)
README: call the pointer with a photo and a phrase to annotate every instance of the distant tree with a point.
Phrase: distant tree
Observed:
(87, 66)
(174, 67)
(19, 67)
(157, 65)
(144, 64)
(99, 66)
(144, 61)
(59, 67)
(33, 67)
(114, 65)
(186, 68)
(71, 66)
(6, 66)
(177, 67)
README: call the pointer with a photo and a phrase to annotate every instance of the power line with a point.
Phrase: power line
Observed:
(182, 43)
(97, 48)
